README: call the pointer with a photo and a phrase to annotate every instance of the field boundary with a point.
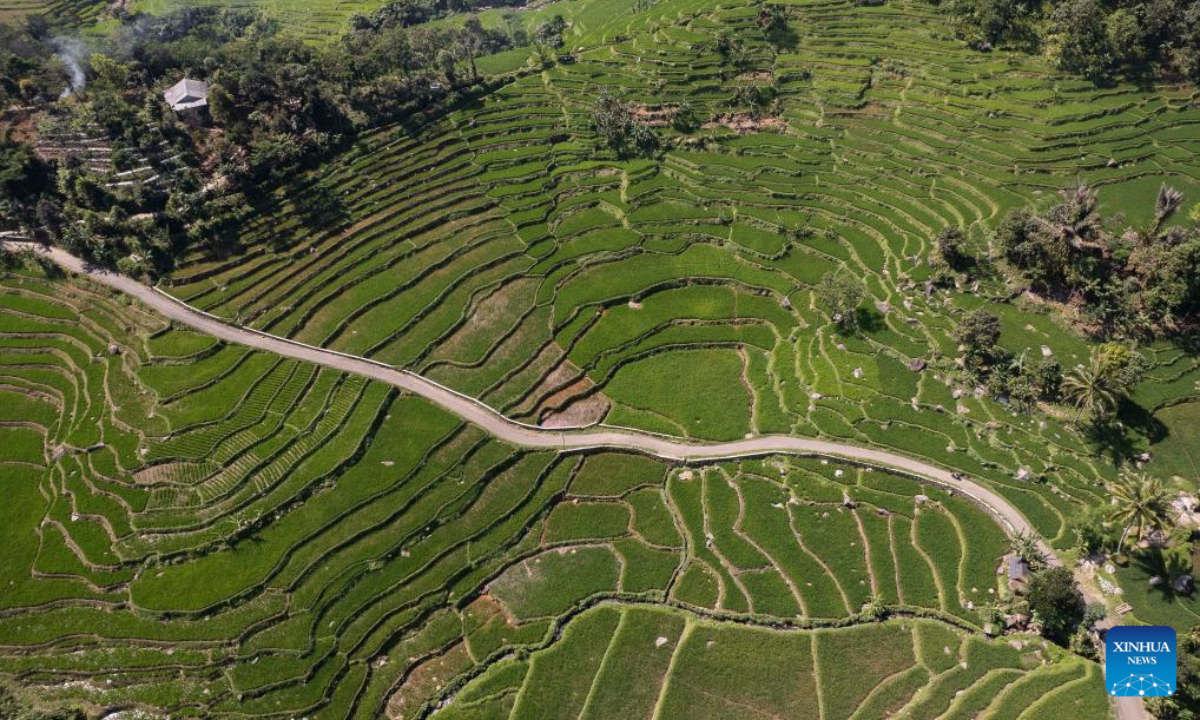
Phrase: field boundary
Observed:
(576, 439)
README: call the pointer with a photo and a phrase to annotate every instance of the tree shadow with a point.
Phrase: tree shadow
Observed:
(869, 320)
(1112, 439)
(1154, 562)
(784, 39)
(1142, 421)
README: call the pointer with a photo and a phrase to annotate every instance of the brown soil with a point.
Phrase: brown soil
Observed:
(652, 117)
(22, 123)
(756, 77)
(574, 405)
(426, 680)
(745, 123)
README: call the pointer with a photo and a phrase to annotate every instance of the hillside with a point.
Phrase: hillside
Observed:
(201, 528)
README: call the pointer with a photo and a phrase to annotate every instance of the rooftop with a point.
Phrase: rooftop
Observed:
(187, 94)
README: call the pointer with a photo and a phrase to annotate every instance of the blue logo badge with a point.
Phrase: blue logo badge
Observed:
(1139, 661)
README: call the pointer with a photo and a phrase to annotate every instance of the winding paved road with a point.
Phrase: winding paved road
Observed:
(517, 433)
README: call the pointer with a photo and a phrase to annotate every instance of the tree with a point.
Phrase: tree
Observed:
(1092, 529)
(950, 242)
(1083, 39)
(1142, 502)
(1056, 602)
(1185, 703)
(550, 33)
(619, 130)
(1026, 546)
(1047, 377)
(1125, 40)
(842, 293)
(1099, 386)
(771, 17)
(1088, 388)
(978, 334)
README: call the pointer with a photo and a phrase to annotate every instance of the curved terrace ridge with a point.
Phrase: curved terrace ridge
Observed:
(530, 436)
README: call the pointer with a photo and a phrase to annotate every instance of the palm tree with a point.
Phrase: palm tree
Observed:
(1142, 502)
(1090, 387)
(1025, 545)
(1076, 220)
(1166, 204)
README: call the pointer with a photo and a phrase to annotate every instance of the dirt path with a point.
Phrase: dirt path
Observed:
(516, 433)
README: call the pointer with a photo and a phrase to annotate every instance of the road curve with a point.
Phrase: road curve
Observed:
(521, 434)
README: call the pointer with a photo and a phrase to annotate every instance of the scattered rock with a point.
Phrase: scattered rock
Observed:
(660, 642)
(917, 365)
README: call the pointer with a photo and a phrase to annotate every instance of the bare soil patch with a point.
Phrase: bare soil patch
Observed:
(745, 123)
(652, 116)
(426, 680)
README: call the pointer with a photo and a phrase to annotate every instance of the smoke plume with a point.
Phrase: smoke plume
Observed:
(73, 54)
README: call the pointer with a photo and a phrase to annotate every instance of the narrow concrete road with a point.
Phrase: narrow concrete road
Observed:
(521, 434)
(517, 433)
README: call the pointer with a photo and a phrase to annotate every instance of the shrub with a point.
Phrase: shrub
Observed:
(842, 293)
(619, 130)
(1056, 602)
(950, 243)
(978, 334)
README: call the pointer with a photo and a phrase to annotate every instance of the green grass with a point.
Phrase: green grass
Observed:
(1177, 453)
(698, 391)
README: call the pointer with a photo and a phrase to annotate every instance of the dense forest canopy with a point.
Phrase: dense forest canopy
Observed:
(275, 104)
(1099, 40)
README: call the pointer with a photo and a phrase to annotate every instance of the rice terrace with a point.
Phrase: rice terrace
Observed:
(597, 358)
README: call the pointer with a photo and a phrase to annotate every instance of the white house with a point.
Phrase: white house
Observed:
(188, 98)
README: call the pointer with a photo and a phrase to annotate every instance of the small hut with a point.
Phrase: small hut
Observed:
(189, 99)
(1018, 574)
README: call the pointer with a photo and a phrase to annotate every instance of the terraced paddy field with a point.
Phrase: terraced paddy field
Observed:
(70, 12)
(648, 661)
(498, 252)
(205, 530)
(313, 20)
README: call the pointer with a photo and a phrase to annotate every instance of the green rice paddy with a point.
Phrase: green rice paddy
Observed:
(198, 529)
